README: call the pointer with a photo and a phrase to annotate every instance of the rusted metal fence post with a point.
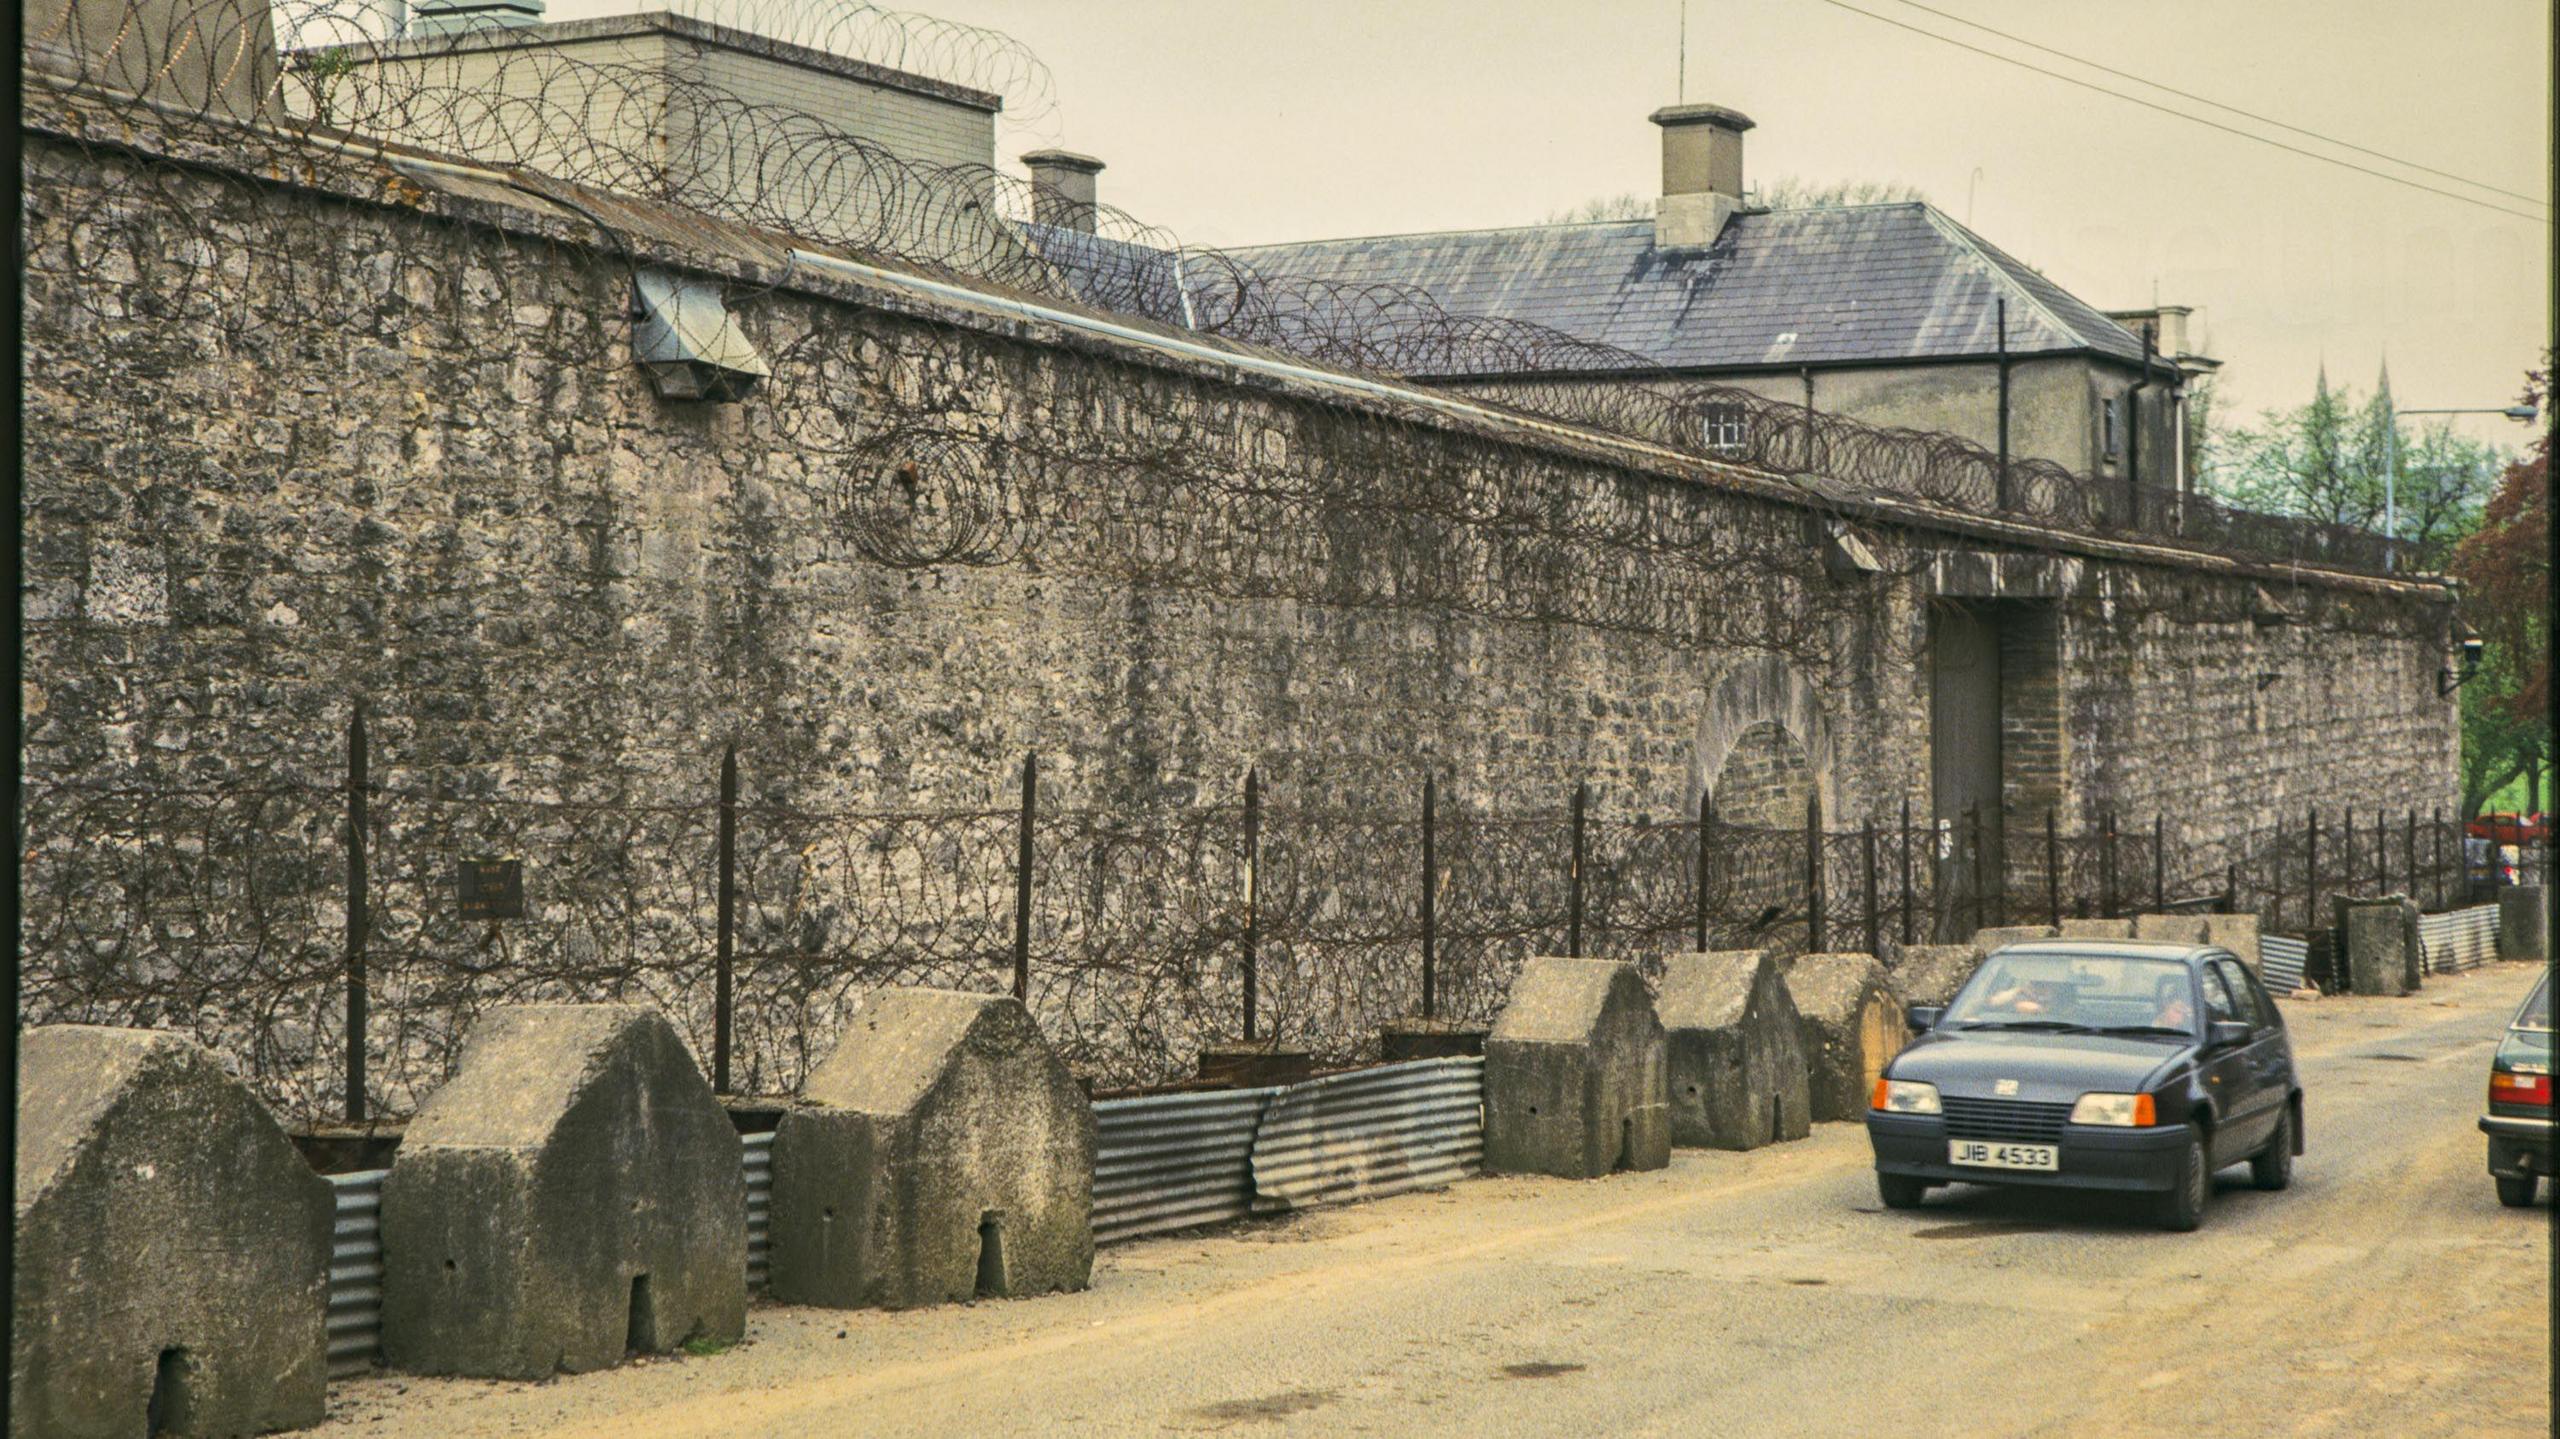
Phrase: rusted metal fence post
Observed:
(2054, 871)
(1875, 936)
(1975, 859)
(1573, 877)
(2311, 875)
(1252, 880)
(2381, 852)
(2159, 863)
(1813, 870)
(1706, 832)
(1022, 879)
(2438, 866)
(2107, 868)
(2409, 854)
(359, 995)
(724, 950)
(1905, 862)
(1430, 892)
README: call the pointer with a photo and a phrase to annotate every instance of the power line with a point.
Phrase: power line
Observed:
(2183, 115)
(2219, 105)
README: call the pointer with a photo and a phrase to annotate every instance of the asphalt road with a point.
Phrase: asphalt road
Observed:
(1762, 1293)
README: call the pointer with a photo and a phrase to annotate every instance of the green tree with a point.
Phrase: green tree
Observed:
(2327, 460)
(2505, 570)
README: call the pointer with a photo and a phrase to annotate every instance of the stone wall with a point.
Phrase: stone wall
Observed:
(375, 437)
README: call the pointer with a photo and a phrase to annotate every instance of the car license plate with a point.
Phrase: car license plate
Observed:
(1986, 1155)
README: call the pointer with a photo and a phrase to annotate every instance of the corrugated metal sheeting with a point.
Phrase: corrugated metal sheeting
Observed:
(1371, 1133)
(2280, 962)
(355, 1254)
(1170, 1161)
(1164, 1162)
(2455, 940)
(2460, 939)
(355, 1273)
(758, 1150)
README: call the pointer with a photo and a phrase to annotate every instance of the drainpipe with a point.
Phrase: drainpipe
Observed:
(2133, 436)
(2001, 493)
(1805, 373)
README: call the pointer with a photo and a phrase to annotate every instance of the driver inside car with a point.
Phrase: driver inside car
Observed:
(2170, 995)
(2026, 996)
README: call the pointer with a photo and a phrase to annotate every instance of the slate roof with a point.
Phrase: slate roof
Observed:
(1861, 284)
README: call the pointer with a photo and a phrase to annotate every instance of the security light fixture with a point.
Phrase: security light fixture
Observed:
(2447, 681)
(688, 341)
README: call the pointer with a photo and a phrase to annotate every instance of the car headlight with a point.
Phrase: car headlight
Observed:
(1906, 1096)
(2125, 1111)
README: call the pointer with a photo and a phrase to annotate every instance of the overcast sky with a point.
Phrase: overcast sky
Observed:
(1232, 121)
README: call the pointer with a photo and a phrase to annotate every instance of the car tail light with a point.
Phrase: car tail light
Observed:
(2505, 1088)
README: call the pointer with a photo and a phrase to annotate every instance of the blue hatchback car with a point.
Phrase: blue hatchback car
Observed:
(2093, 1064)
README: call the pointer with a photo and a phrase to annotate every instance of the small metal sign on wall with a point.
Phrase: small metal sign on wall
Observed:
(491, 889)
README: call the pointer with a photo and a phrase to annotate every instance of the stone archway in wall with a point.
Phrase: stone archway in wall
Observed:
(1764, 780)
(1763, 722)
(1763, 750)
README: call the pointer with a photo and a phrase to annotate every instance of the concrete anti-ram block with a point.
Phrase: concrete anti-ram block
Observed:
(2237, 933)
(942, 1153)
(1736, 1058)
(1932, 973)
(2097, 929)
(572, 1194)
(2173, 928)
(172, 1247)
(2384, 956)
(1575, 1077)
(1989, 941)
(2524, 923)
(1852, 1023)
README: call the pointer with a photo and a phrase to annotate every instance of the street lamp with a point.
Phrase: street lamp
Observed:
(2521, 414)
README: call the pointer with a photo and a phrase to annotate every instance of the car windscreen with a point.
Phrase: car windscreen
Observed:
(2536, 1013)
(2076, 991)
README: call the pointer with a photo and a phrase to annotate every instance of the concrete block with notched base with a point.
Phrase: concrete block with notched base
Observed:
(1932, 973)
(171, 1246)
(1990, 940)
(2174, 928)
(1852, 1024)
(942, 1153)
(573, 1194)
(1574, 1074)
(2524, 922)
(2384, 954)
(2097, 929)
(1736, 1061)
(2237, 933)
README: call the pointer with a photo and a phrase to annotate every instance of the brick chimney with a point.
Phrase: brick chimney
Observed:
(1065, 194)
(1701, 173)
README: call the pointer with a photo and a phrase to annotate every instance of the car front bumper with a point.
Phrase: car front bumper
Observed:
(2517, 1146)
(1915, 1146)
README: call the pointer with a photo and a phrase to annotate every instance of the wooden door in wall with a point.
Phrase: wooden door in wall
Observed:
(1964, 765)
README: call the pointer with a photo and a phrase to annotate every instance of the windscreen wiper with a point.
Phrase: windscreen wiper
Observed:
(2057, 1026)
(2161, 1029)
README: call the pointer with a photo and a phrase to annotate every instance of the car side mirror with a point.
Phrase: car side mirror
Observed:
(2225, 1033)
(1922, 1017)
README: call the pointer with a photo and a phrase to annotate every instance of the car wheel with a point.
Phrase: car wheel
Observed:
(2514, 1191)
(2272, 1167)
(1901, 1191)
(2182, 1208)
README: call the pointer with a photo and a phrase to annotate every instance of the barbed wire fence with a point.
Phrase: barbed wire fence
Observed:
(270, 89)
(212, 199)
(225, 912)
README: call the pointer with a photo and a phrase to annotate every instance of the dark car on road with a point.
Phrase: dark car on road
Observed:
(2093, 1064)
(2519, 1119)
